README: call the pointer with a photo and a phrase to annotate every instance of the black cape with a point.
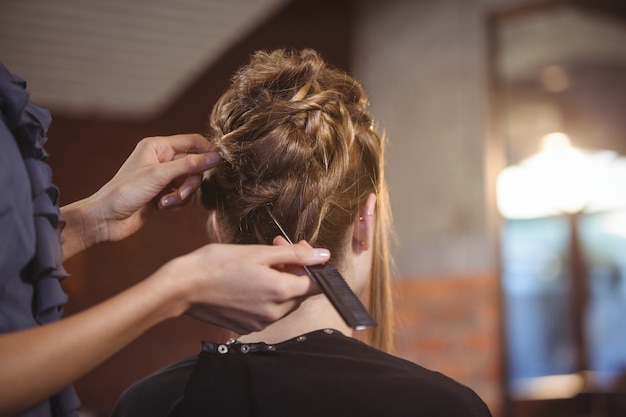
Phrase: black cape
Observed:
(322, 373)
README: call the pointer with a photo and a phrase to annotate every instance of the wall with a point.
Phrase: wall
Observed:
(426, 67)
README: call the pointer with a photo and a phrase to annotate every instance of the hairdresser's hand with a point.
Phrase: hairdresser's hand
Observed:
(166, 168)
(161, 172)
(239, 287)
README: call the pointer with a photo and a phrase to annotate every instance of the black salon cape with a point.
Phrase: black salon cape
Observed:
(322, 374)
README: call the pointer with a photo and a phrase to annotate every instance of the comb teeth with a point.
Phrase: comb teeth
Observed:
(336, 289)
(341, 296)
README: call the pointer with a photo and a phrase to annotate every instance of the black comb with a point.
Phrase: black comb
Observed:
(337, 290)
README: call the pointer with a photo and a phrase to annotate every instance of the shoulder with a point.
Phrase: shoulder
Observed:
(157, 394)
(410, 385)
(436, 393)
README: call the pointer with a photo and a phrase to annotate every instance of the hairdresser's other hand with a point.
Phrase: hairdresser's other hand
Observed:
(167, 168)
(239, 288)
(161, 172)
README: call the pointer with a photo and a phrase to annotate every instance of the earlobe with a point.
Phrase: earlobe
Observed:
(363, 226)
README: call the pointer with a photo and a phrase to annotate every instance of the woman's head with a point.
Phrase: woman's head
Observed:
(296, 137)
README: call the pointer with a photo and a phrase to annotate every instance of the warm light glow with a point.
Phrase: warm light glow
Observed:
(561, 178)
(549, 387)
(555, 141)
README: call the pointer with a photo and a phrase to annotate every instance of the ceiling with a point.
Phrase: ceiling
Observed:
(119, 57)
(130, 58)
(561, 35)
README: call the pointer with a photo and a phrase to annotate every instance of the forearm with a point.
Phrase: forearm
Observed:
(81, 230)
(39, 362)
(232, 286)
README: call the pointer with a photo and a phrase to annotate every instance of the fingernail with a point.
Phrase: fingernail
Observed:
(321, 253)
(186, 192)
(212, 159)
(168, 201)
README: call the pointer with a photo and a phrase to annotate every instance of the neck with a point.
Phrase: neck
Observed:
(314, 313)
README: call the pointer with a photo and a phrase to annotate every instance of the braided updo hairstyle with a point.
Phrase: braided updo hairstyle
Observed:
(296, 137)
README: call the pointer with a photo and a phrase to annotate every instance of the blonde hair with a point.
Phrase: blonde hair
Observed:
(296, 136)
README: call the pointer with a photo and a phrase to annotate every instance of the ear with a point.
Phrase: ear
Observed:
(363, 226)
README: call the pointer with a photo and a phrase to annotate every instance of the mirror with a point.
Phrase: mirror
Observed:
(560, 77)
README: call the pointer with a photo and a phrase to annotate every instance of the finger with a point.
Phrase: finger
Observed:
(168, 200)
(189, 186)
(181, 195)
(305, 243)
(299, 254)
(189, 164)
(184, 143)
(297, 270)
(301, 285)
(280, 241)
(305, 285)
(312, 288)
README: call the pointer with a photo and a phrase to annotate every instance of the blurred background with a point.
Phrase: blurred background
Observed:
(505, 163)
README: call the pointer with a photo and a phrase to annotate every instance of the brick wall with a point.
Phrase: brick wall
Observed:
(450, 324)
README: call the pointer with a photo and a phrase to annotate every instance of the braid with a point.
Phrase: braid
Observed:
(295, 135)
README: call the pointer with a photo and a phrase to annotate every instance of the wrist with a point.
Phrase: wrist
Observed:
(82, 229)
(173, 286)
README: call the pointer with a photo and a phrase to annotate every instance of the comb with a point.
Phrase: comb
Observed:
(336, 290)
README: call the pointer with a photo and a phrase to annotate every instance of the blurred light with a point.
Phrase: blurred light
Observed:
(561, 178)
(615, 224)
(549, 387)
(555, 141)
